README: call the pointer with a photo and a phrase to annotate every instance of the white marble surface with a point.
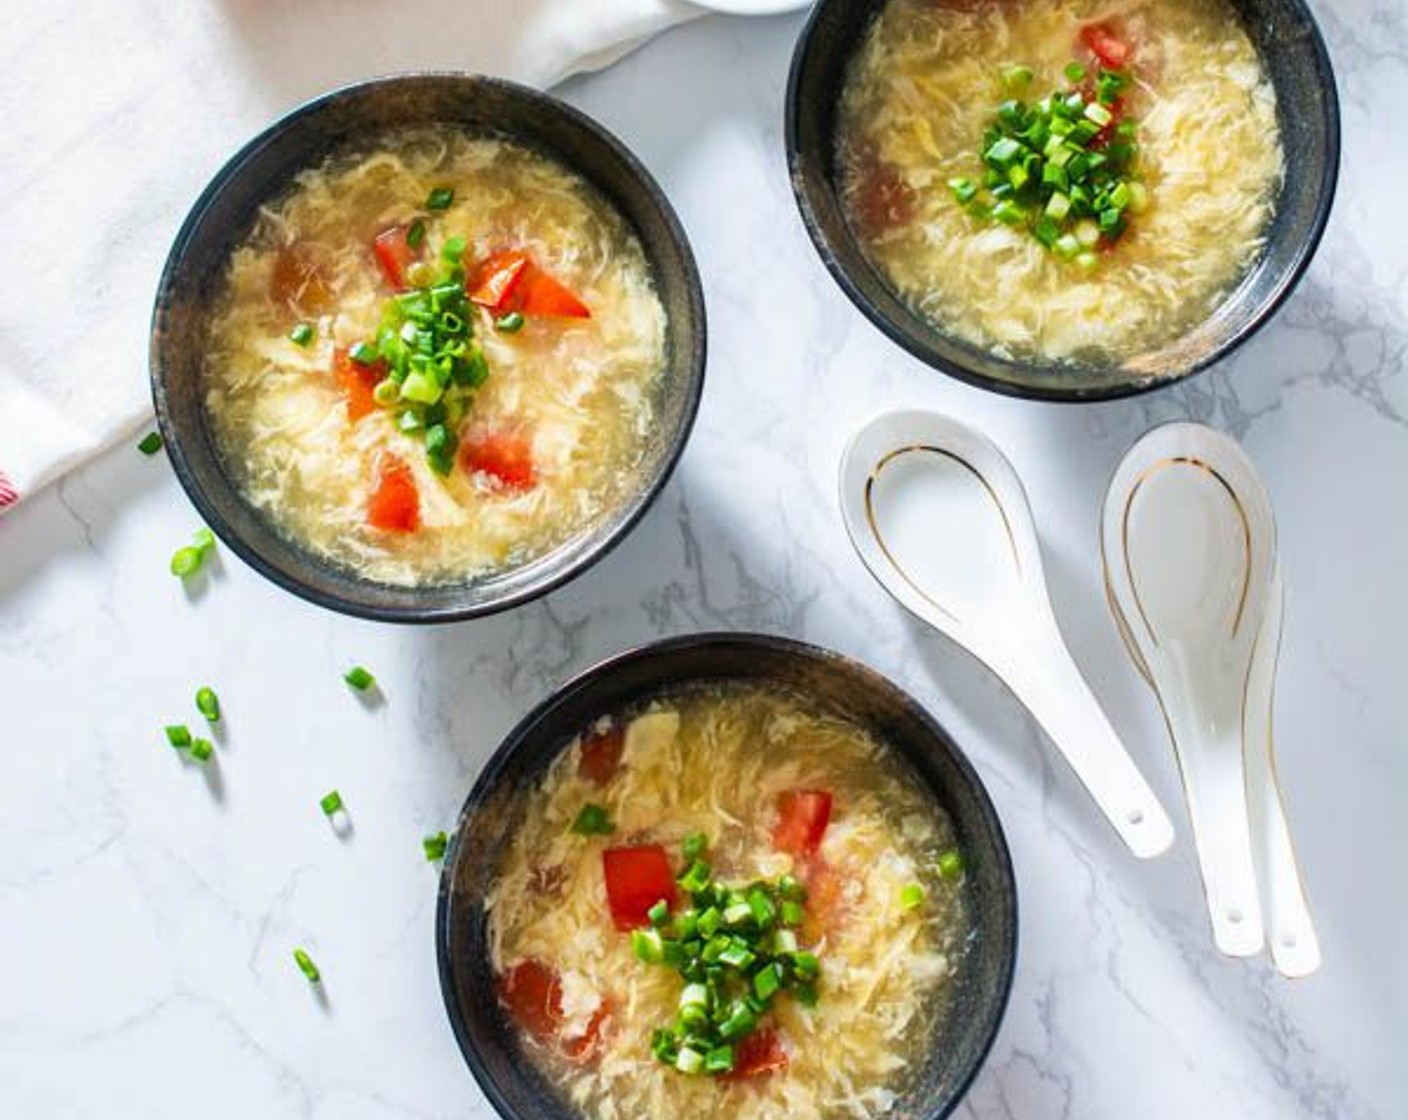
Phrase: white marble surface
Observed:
(147, 910)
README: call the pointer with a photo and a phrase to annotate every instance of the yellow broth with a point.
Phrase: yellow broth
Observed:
(714, 761)
(576, 391)
(926, 83)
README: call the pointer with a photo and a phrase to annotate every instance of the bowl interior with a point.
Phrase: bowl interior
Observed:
(495, 807)
(223, 216)
(1288, 41)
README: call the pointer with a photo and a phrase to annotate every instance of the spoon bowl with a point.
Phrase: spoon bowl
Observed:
(940, 518)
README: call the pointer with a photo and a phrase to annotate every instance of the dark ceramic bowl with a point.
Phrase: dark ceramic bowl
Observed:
(264, 168)
(494, 810)
(1289, 43)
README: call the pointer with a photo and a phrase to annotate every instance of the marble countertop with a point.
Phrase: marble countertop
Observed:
(148, 909)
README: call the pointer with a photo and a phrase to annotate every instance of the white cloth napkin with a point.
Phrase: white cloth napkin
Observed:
(117, 113)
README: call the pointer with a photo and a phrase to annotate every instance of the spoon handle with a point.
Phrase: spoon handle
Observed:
(1060, 700)
(1209, 746)
(1290, 932)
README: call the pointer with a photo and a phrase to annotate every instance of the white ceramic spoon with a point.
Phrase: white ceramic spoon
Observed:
(1290, 932)
(941, 520)
(1189, 547)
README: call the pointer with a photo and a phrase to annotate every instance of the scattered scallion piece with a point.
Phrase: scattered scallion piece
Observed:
(207, 703)
(359, 678)
(330, 802)
(440, 199)
(950, 863)
(510, 323)
(301, 335)
(911, 896)
(434, 846)
(416, 234)
(593, 820)
(185, 561)
(201, 749)
(150, 443)
(694, 845)
(306, 966)
(178, 735)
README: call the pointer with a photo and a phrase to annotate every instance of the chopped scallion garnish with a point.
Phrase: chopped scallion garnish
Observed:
(1051, 164)
(185, 561)
(440, 199)
(207, 703)
(359, 678)
(950, 863)
(593, 820)
(201, 749)
(694, 845)
(330, 802)
(734, 960)
(510, 323)
(306, 966)
(178, 735)
(301, 335)
(434, 846)
(150, 443)
(911, 896)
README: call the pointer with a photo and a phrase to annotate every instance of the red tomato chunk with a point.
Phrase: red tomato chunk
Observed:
(506, 457)
(395, 503)
(601, 754)
(395, 254)
(636, 879)
(357, 382)
(802, 817)
(759, 1053)
(532, 994)
(1107, 44)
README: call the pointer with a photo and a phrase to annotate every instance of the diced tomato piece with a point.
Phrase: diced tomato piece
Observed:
(601, 754)
(299, 280)
(394, 253)
(532, 994)
(358, 382)
(826, 901)
(636, 879)
(509, 280)
(881, 200)
(540, 294)
(495, 279)
(505, 456)
(759, 1053)
(1107, 43)
(802, 817)
(585, 1045)
(395, 503)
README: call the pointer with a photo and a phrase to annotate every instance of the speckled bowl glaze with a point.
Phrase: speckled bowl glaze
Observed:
(495, 807)
(265, 167)
(1291, 48)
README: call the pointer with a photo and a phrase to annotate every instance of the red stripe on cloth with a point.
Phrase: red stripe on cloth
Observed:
(8, 494)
